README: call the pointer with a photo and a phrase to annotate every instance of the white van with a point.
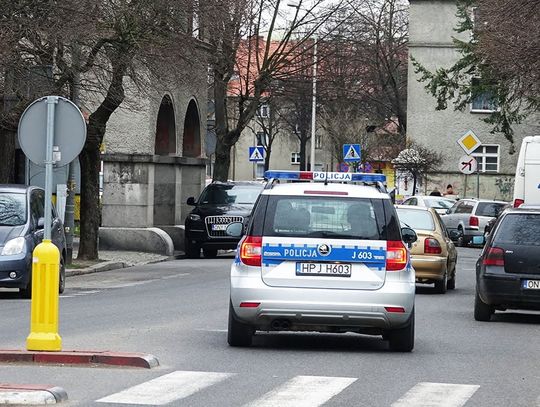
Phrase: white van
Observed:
(527, 184)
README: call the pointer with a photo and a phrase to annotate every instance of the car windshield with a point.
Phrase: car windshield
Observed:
(218, 194)
(519, 229)
(416, 219)
(12, 209)
(492, 209)
(439, 203)
(325, 217)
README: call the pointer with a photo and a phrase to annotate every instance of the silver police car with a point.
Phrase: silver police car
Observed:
(323, 256)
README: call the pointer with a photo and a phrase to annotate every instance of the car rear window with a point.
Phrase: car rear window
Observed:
(519, 229)
(439, 203)
(12, 209)
(351, 218)
(492, 209)
(416, 219)
(223, 194)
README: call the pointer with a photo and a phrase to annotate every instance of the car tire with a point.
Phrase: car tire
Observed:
(26, 292)
(210, 253)
(62, 277)
(193, 251)
(442, 285)
(482, 311)
(461, 239)
(402, 339)
(238, 333)
(451, 283)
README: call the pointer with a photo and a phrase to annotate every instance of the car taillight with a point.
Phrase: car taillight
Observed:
(432, 246)
(473, 221)
(250, 250)
(518, 203)
(396, 255)
(494, 257)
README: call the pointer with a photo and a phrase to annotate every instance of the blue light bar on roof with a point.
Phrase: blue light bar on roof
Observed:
(326, 176)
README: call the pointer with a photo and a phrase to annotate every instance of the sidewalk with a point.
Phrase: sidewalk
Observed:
(111, 260)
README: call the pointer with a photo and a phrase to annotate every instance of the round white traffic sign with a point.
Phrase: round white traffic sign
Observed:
(467, 164)
(69, 131)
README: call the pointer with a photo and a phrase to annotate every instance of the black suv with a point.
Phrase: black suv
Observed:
(220, 204)
(508, 270)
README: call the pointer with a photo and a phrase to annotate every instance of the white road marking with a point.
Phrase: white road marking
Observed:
(175, 275)
(166, 389)
(211, 330)
(437, 395)
(304, 391)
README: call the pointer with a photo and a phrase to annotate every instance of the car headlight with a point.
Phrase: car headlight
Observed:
(193, 216)
(14, 246)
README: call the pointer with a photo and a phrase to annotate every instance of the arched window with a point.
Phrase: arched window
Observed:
(165, 128)
(192, 132)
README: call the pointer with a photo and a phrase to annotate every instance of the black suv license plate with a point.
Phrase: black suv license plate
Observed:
(324, 269)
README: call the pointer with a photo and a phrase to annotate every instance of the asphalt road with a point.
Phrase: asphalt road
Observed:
(178, 311)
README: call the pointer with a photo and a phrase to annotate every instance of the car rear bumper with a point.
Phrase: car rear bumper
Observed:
(312, 307)
(506, 291)
(20, 264)
(429, 268)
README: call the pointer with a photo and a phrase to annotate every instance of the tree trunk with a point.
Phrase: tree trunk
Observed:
(7, 156)
(414, 184)
(267, 157)
(90, 210)
(223, 161)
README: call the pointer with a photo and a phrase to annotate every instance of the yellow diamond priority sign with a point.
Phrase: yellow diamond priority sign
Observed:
(469, 142)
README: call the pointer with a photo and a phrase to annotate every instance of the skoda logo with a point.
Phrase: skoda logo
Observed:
(324, 249)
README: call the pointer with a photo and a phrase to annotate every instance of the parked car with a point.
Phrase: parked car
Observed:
(469, 217)
(527, 183)
(220, 204)
(433, 255)
(22, 218)
(508, 270)
(439, 203)
(491, 223)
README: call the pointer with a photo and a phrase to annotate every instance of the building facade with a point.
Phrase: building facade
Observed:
(431, 30)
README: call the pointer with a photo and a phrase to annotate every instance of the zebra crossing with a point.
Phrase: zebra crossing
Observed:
(299, 391)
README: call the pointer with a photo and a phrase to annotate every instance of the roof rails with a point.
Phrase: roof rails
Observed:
(376, 180)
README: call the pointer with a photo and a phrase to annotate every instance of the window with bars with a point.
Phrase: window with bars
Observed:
(264, 111)
(262, 138)
(295, 158)
(487, 156)
(259, 170)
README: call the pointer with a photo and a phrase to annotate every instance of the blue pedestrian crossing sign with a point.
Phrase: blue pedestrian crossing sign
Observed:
(256, 153)
(351, 153)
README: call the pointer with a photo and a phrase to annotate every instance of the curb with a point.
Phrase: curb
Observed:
(31, 394)
(97, 268)
(141, 360)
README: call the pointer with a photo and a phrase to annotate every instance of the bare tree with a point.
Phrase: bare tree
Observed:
(257, 33)
(118, 41)
(417, 161)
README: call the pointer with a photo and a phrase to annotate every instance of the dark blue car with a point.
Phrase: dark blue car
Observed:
(22, 218)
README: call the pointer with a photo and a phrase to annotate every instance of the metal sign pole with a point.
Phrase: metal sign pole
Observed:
(51, 105)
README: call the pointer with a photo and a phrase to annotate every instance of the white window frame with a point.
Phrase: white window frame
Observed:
(318, 141)
(262, 136)
(474, 110)
(483, 155)
(264, 111)
(295, 158)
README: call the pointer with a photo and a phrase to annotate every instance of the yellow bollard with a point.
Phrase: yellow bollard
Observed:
(44, 310)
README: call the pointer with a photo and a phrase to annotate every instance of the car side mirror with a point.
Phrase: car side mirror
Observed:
(448, 211)
(41, 223)
(191, 201)
(408, 235)
(235, 229)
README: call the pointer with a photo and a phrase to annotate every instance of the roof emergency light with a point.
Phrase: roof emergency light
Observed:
(326, 176)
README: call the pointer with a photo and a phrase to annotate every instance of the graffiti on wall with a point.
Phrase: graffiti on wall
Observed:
(505, 185)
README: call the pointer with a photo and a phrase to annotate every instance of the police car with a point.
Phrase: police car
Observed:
(324, 256)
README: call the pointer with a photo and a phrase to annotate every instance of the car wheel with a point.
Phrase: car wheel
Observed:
(238, 334)
(402, 339)
(441, 285)
(62, 278)
(210, 253)
(193, 251)
(26, 292)
(451, 283)
(461, 238)
(482, 311)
